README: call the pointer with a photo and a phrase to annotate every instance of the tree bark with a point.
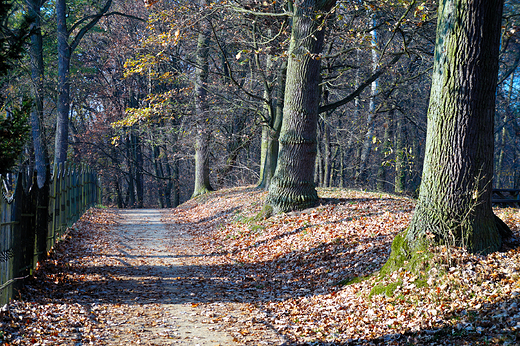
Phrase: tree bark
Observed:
(400, 156)
(292, 186)
(454, 204)
(202, 183)
(62, 122)
(41, 156)
(271, 133)
(362, 174)
(383, 167)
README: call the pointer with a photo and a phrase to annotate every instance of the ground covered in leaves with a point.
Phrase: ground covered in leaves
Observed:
(291, 279)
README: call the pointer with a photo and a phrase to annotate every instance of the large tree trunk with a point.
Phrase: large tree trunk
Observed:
(202, 184)
(454, 206)
(292, 186)
(41, 156)
(62, 122)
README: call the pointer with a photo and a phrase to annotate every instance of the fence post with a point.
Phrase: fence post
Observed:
(60, 207)
(55, 205)
(17, 236)
(42, 218)
(74, 195)
(63, 199)
(6, 246)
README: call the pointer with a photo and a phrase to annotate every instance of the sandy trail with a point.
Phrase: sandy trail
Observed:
(153, 297)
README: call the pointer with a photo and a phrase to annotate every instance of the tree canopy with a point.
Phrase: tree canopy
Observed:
(134, 77)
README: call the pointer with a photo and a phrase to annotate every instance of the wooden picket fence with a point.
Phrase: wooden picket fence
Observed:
(32, 219)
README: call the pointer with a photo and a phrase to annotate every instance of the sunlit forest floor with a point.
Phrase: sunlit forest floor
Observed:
(302, 278)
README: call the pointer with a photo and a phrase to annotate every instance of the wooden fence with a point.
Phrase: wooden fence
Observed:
(32, 219)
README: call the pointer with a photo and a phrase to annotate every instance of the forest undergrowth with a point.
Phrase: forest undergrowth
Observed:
(309, 276)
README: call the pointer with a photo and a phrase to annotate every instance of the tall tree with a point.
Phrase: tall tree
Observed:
(292, 186)
(202, 184)
(41, 156)
(65, 50)
(454, 205)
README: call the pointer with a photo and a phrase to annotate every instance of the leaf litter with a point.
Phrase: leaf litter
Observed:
(290, 279)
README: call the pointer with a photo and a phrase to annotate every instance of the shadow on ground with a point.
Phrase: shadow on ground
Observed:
(296, 274)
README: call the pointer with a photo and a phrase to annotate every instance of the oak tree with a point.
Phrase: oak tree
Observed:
(292, 186)
(454, 206)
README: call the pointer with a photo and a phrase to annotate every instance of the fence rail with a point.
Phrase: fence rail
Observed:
(32, 219)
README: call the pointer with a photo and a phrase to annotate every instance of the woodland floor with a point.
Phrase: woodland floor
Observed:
(210, 273)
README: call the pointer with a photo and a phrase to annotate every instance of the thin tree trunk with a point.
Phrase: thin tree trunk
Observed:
(318, 172)
(119, 196)
(159, 174)
(362, 174)
(400, 156)
(174, 173)
(131, 170)
(383, 167)
(326, 153)
(64, 54)
(500, 162)
(139, 182)
(273, 131)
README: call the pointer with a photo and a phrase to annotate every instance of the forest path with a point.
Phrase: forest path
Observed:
(154, 297)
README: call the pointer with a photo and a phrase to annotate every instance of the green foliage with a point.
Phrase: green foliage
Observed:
(14, 131)
(14, 127)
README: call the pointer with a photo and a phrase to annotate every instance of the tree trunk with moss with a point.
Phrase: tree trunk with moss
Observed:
(292, 186)
(202, 184)
(454, 206)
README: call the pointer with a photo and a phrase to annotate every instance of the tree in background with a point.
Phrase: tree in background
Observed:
(454, 206)
(65, 50)
(248, 42)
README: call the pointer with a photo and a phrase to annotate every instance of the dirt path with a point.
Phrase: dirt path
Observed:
(125, 277)
(151, 297)
(156, 305)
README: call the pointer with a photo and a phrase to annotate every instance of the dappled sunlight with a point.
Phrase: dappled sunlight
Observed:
(299, 278)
